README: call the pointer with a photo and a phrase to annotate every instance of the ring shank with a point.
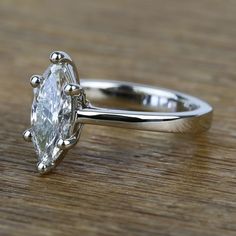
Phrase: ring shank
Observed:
(157, 109)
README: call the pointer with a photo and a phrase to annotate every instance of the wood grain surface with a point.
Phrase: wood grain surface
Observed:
(117, 181)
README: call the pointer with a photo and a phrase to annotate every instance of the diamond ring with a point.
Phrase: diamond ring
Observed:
(61, 107)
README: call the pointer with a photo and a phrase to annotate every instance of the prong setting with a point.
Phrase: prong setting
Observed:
(67, 143)
(59, 57)
(27, 135)
(58, 84)
(56, 56)
(73, 90)
(35, 80)
(43, 168)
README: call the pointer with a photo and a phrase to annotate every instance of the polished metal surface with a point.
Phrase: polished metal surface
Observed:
(173, 111)
(35, 81)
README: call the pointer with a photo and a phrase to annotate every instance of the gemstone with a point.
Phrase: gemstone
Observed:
(51, 112)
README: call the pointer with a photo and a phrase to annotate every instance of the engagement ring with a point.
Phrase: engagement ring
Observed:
(61, 107)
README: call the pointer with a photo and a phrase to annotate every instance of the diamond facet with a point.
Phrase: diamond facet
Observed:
(51, 116)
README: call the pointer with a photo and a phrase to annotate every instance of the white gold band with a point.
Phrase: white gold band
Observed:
(171, 111)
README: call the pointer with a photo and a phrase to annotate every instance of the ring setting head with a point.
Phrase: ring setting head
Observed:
(57, 96)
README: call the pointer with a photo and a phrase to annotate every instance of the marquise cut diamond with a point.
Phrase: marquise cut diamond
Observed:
(51, 112)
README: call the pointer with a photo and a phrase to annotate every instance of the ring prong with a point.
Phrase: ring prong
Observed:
(44, 168)
(35, 81)
(59, 56)
(73, 89)
(27, 135)
(67, 143)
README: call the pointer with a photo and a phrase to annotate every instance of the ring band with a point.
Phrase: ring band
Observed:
(178, 112)
(63, 104)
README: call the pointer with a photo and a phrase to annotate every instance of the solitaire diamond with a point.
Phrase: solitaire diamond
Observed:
(51, 112)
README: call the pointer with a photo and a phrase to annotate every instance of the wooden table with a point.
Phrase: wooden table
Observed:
(116, 181)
